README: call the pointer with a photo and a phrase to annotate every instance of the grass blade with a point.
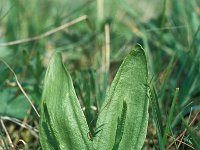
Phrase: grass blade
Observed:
(170, 117)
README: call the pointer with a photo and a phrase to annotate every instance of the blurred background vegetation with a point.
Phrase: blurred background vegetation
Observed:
(93, 48)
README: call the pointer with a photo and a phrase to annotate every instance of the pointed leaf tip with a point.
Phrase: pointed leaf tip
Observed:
(128, 85)
(65, 120)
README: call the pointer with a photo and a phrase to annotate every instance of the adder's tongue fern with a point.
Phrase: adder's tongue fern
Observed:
(123, 118)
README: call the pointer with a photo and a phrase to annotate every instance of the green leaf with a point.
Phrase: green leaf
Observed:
(129, 85)
(192, 132)
(170, 117)
(9, 102)
(156, 114)
(120, 127)
(62, 122)
(194, 138)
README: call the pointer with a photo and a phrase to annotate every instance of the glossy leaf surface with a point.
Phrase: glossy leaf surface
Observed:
(62, 124)
(129, 86)
(123, 118)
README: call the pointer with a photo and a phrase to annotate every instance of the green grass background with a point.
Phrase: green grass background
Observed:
(168, 31)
